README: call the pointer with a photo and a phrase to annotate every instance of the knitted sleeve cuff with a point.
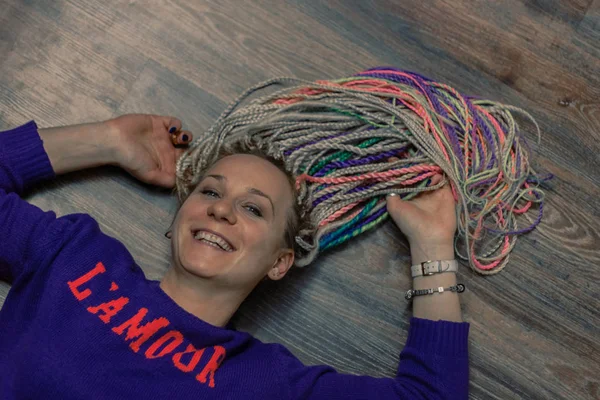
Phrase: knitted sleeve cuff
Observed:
(444, 338)
(24, 153)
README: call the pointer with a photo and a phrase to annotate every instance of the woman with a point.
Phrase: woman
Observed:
(82, 322)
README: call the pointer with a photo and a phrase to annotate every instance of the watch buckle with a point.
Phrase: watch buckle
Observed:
(423, 268)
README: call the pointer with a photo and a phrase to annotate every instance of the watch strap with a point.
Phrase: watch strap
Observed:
(433, 267)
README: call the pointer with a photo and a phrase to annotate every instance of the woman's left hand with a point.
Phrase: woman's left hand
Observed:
(145, 149)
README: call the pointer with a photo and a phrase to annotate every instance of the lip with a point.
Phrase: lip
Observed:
(196, 230)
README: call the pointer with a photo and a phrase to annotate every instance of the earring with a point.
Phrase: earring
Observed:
(168, 235)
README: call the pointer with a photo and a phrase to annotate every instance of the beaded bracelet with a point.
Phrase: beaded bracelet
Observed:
(459, 288)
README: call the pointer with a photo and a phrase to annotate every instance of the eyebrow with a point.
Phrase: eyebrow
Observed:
(251, 190)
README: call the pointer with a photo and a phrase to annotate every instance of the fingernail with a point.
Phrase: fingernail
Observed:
(184, 138)
(172, 130)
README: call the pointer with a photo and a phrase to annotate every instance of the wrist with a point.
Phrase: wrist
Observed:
(76, 147)
(112, 140)
(431, 251)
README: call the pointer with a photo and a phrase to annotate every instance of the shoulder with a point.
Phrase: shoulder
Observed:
(81, 243)
(255, 349)
(82, 231)
(275, 355)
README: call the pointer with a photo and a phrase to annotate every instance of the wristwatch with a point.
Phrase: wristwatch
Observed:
(427, 268)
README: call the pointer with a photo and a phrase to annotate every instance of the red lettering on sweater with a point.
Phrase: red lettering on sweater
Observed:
(134, 330)
(212, 366)
(137, 334)
(74, 286)
(196, 355)
(109, 309)
(176, 339)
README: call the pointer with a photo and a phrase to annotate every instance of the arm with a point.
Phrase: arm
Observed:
(138, 143)
(77, 147)
(445, 306)
(433, 365)
(429, 223)
(23, 163)
(434, 362)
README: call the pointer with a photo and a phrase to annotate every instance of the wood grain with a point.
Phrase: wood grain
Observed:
(535, 327)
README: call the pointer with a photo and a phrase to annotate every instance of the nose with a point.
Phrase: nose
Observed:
(222, 210)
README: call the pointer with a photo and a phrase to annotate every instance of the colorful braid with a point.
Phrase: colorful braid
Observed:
(336, 137)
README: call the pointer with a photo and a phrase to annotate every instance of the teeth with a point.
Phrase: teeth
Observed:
(213, 240)
(211, 244)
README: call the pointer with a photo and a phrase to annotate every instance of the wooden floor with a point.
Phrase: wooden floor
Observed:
(534, 327)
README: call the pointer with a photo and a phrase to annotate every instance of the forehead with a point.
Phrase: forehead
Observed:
(244, 171)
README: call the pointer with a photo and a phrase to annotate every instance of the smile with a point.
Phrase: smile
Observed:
(213, 240)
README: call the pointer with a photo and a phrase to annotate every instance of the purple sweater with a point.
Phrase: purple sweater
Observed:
(81, 321)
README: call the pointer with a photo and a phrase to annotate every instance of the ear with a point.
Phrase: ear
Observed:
(282, 265)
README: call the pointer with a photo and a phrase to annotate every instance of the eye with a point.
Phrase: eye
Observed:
(254, 210)
(209, 192)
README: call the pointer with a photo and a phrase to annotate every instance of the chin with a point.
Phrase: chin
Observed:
(204, 267)
(200, 270)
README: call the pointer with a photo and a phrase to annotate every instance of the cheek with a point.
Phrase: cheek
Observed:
(261, 239)
(192, 208)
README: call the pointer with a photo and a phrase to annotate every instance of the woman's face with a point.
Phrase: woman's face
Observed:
(230, 229)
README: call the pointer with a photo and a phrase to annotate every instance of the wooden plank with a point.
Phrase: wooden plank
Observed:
(571, 12)
(61, 66)
(4, 288)
(224, 47)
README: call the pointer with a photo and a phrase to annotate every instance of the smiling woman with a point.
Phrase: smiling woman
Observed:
(297, 213)
(234, 228)
(115, 334)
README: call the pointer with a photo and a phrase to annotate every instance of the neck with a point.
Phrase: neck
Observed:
(200, 297)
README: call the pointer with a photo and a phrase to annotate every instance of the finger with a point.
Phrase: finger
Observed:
(183, 137)
(392, 195)
(166, 180)
(435, 179)
(397, 206)
(172, 124)
(179, 153)
(163, 179)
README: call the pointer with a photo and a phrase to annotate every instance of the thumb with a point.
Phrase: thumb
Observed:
(406, 215)
(163, 179)
(402, 213)
(394, 203)
(397, 206)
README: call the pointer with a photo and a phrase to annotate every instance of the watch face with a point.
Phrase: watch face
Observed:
(408, 295)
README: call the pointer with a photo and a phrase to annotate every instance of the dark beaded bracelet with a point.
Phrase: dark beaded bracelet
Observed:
(459, 288)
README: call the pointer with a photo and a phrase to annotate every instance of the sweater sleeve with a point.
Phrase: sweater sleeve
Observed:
(25, 230)
(433, 365)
